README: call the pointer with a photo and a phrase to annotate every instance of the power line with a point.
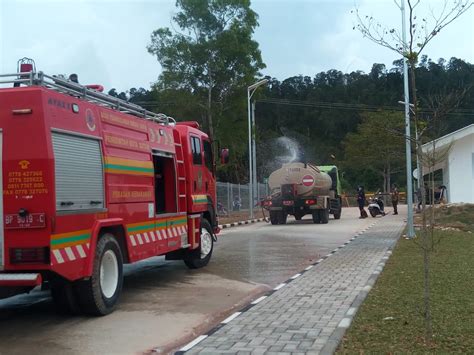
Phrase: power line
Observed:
(352, 107)
(324, 105)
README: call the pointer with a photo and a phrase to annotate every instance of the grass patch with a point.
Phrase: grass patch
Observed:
(398, 294)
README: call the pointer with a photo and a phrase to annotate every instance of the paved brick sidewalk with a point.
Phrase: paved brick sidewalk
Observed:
(310, 313)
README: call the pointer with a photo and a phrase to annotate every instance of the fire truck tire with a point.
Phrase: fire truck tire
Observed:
(195, 259)
(324, 216)
(64, 297)
(274, 217)
(98, 295)
(316, 216)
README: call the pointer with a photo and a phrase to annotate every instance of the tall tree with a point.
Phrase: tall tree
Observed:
(421, 31)
(376, 145)
(210, 53)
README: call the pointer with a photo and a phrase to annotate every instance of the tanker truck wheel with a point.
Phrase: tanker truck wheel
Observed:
(98, 295)
(316, 216)
(324, 216)
(282, 216)
(337, 214)
(274, 217)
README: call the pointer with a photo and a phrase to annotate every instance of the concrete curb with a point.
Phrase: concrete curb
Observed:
(336, 337)
(240, 223)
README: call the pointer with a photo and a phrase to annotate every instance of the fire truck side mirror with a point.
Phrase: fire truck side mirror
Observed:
(224, 156)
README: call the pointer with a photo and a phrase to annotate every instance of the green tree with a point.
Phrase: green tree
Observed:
(421, 32)
(211, 54)
(377, 145)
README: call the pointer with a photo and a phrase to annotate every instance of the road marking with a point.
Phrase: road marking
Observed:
(318, 261)
(295, 276)
(232, 317)
(259, 299)
(351, 311)
(279, 286)
(309, 267)
(193, 343)
(345, 323)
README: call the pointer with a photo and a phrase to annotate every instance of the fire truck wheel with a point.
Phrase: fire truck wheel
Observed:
(316, 216)
(64, 297)
(195, 259)
(99, 294)
(274, 217)
(324, 216)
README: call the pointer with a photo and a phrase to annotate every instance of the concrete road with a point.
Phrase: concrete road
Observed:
(164, 304)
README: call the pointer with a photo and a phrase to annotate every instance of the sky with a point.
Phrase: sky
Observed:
(104, 41)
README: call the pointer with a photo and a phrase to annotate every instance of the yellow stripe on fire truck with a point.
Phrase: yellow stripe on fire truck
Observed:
(67, 247)
(151, 232)
(70, 246)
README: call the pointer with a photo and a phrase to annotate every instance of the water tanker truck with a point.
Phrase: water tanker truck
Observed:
(299, 189)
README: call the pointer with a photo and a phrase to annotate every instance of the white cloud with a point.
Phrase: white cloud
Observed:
(104, 41)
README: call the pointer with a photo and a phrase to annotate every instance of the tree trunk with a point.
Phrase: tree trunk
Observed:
(389, 183)
(209, 106)
(384, 188)
(426, 247)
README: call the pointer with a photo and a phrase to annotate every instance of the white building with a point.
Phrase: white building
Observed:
(454, 156)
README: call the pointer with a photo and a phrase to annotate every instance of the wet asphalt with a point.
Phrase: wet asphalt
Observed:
(164, 304)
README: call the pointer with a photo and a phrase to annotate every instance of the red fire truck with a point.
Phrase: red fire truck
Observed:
(90, 182)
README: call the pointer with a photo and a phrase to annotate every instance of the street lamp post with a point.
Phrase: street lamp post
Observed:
(411, 230)
(252, 163)
(418, 182)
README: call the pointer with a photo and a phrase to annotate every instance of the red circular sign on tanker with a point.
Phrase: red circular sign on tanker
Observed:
(308, 180)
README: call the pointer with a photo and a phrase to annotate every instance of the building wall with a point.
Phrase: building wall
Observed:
(461, 171)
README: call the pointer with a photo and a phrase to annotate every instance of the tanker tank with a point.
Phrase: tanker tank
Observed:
(307, 179)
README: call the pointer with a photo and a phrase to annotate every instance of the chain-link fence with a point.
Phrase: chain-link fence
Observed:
(235, 197)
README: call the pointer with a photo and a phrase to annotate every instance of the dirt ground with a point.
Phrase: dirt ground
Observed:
(456, 216)
(240, 216)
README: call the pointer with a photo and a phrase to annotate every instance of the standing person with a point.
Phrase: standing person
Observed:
(237, 203)
(394, 193)
(361, 201)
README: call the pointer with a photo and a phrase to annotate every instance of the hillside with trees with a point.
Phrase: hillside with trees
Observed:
(209, 57)
(321, 114)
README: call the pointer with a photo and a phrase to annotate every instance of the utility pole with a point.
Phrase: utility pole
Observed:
(252, 154)
(411, 230)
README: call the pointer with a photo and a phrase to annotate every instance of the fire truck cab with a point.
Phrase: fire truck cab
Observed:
(91, 182)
